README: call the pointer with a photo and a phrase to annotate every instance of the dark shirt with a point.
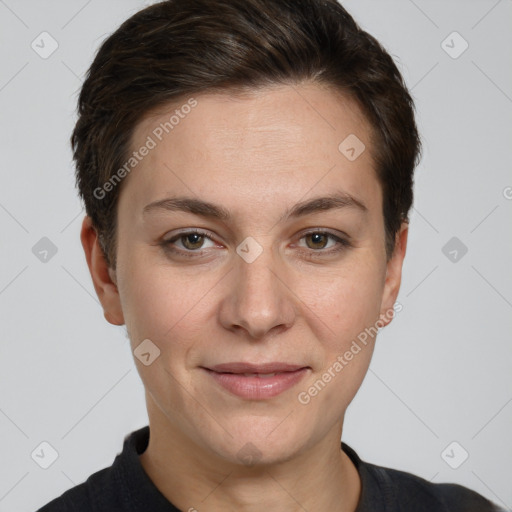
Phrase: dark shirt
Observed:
(126, 487)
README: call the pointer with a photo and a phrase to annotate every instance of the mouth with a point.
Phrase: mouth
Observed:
(256, 381)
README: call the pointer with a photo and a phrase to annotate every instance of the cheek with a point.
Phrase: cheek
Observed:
(162, 303)
(346, 300)
(344, 311)
(168, 307)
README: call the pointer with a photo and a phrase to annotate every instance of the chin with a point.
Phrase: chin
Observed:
(260, 440)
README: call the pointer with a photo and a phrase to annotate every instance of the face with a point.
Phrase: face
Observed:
(246, 266)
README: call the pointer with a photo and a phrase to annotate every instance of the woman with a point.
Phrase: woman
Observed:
(247, 171)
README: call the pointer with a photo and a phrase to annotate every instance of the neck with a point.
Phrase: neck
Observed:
(320, 477)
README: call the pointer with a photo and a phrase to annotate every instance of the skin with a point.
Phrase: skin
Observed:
(255, 155)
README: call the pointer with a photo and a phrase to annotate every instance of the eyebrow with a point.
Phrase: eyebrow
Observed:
(206, 209)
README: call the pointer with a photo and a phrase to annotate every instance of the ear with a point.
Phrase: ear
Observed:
(103, 277)
(393, 275)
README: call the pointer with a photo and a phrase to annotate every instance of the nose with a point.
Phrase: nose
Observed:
(259, 300)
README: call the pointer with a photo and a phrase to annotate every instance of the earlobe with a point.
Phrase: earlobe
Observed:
(393, 276)
(103, 277)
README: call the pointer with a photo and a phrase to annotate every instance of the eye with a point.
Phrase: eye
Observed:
(191, 241)
(318, 242)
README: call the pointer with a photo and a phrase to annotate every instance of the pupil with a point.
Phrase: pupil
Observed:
(317, 238)
(196, 237)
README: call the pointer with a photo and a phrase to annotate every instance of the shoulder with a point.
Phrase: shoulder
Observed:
(111, 489)
(414, 493)
(391, 490)
(91, 495)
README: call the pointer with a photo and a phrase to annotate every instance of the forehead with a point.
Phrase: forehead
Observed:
(260, 147)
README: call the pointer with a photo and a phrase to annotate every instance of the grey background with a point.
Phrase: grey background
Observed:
(441, 371)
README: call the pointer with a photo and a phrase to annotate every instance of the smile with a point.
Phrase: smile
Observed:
(256, 382)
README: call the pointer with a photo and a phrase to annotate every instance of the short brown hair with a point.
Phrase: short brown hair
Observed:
(182, 47)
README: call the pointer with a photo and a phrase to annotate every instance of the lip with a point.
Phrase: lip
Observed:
(231, 376)
(241, 367)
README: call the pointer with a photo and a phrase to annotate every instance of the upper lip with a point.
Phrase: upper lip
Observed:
(241, 367)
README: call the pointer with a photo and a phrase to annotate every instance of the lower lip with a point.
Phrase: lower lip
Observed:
(258, 388)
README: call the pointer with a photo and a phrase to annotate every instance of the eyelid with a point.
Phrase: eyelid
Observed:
(342, 239)
(327, 231)
(185, 232)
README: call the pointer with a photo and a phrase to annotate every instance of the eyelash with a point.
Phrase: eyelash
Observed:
(189, 253)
